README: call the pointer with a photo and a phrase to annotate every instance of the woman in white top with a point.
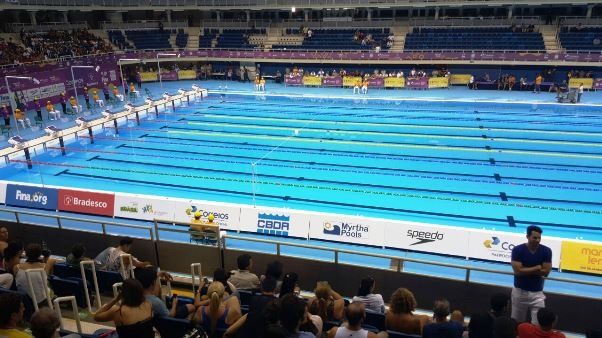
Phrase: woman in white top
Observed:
(373, 302)
(33, 252)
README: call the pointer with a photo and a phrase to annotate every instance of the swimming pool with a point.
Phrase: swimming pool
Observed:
(485, 165)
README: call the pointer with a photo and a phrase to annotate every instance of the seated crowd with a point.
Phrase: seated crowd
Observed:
(240, 303)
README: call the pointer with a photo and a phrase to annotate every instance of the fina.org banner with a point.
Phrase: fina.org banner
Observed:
(497, 246)
(143, 207)
(582, 256)
(427, 238)
(278, 222)
(347, 229)
(31, 197)
(3, 192)
(226, 216)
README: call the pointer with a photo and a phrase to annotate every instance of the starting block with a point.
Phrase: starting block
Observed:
(18, 142)
(52, 131)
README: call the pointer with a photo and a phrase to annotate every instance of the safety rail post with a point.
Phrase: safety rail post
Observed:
(73, 308)
(193, 274)
(59, 222)
(116, 287)
(168, 283)
(130, 269)
(94, 279)
(467, 277)
(41, 271)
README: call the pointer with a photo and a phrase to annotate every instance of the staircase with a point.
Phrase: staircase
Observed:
(548, 32)
(275, 36)
(400, 29)
(193, 38)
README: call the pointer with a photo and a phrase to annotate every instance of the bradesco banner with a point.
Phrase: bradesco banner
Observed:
(378, 82)
(224, 215)
(86, 202)
(143, 207)
(293, 81)
(3, 192)
(438, 82)
(497, 246)
(426, 237)
(278, 222)
(312, 81)
(575, 82)
(332, 81)
(597, 84)
(395, 82)
(349, 229)
(31, 197)
(582, 256)
(171, 75)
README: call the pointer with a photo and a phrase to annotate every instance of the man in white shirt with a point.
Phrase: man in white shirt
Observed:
(355, 314)
(243, 278)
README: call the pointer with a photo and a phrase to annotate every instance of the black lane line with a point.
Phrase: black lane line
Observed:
(315, 201)
(368, 185)
(495, 177)
(371, 154)
(405, 125)
(291, 178)
(385, 142)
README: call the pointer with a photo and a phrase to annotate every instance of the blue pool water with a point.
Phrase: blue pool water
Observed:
(472, 164)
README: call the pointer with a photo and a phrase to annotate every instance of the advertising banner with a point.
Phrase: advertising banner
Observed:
(378, 82)
(2, 192)
(459, 79)
(171, 75)
(332, 81)
(417, 83)
(497, 246)
(86, 202)
(148, 76)
(597, 84)
(349, 229)
(575, 82)
(395, 82)
(427, 238)
(293, 81)
(225, 215)
(31, 197)
(438, 82)
(349, 81)
(278, 222)
(312, 81)
(143, 207)
(186, 74)
(582, 256)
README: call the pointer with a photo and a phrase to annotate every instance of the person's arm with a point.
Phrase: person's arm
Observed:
(381, 334)
(107, 311)
(233, 329)
(174, 307)
(139, 264)
(332, 332)
(520, 270)
(546, 268)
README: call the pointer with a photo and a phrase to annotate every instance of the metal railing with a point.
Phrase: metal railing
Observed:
(143, 24)
(400, 262)
(47, 26)
(474, 21)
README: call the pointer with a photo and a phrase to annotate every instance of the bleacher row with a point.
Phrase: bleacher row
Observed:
(148, 39)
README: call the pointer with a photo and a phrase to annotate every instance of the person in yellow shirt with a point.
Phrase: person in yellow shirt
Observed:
(538, 81)
(74, 106)
(97, 99)
(52, 113)
(207, 228)
(133, 91)
(356, 86)
(11, 314)
(22, 118)
(262, 84)
(365, 87)
(257, 79)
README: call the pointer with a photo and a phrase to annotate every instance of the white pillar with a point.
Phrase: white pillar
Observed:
(248, 15)
(32, 17)
(115, 17)
(510, 8)
(168, 15)
(306, 14)
(218, 16)
(589, 11)
(436, 13)
(369, 18)
(65, 17)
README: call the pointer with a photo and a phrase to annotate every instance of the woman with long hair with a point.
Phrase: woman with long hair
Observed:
(327, 303)
(373, 301)
(130, 312)
(220, 313)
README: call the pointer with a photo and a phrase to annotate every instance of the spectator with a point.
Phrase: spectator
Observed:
(45, 324)
(326, 303)
(546, 320)
(400, 317)
(441, 327)
(257, 319)
(243, 278)
(130, 312)
(219, 275)
(290, 284)
(579, 92)
(76, 255)
(12, 257)
(109, 260)
(481, 324)
(33, 252)
(220, 313)
(365, 294)
(11, 314)
(504, 327)
(147, 277)
(293, 313)
(274, 270)
(3, 239)
(355, 314)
